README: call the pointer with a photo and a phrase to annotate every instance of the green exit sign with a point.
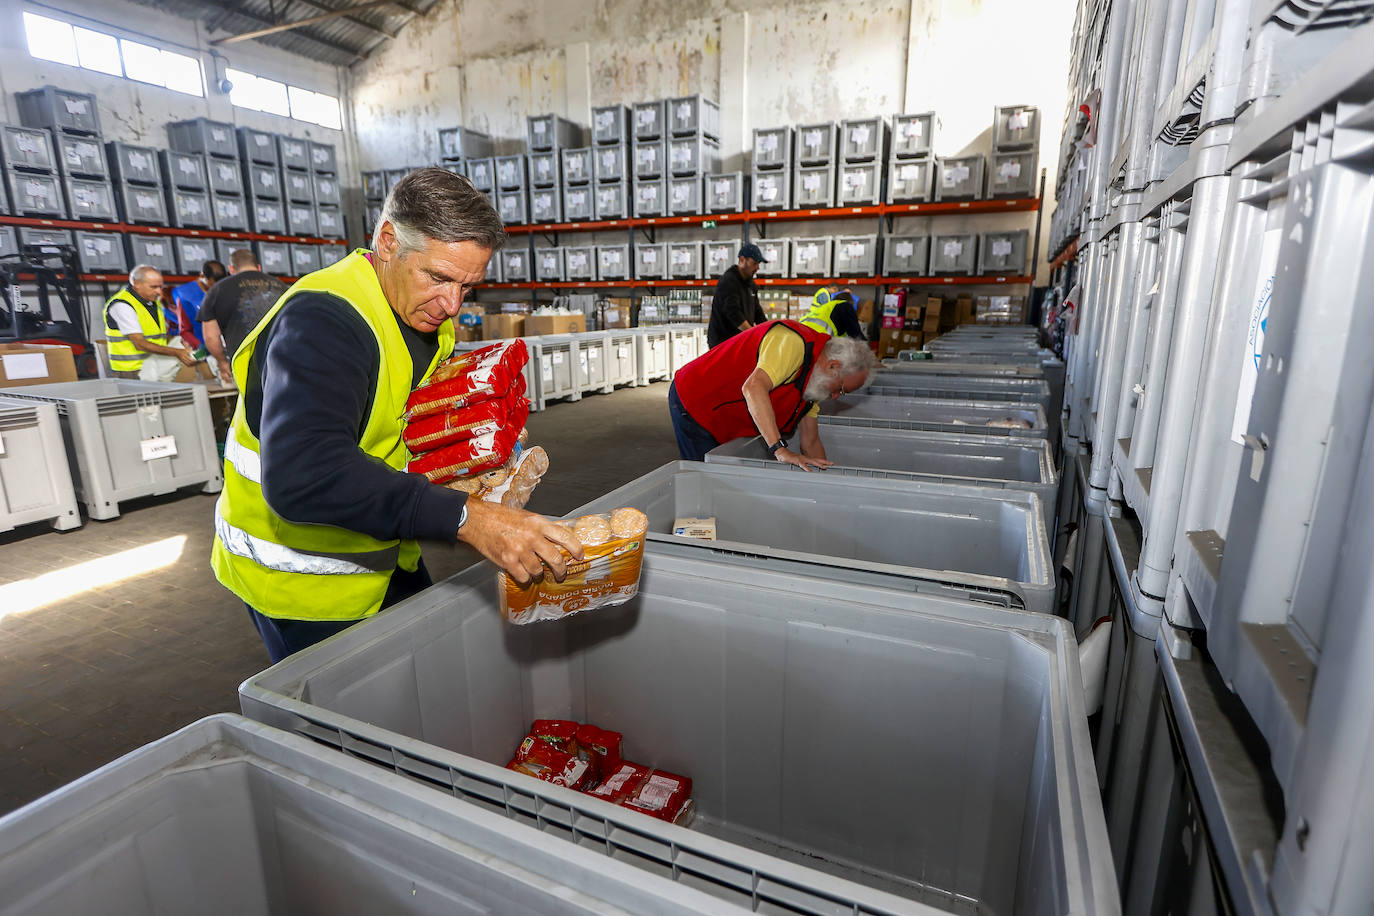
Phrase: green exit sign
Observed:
(708, 224)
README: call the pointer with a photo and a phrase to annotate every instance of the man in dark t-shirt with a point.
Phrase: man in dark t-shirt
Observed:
(234, 306)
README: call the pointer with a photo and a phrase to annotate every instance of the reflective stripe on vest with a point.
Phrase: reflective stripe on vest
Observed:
(123, 355)
(313, 571)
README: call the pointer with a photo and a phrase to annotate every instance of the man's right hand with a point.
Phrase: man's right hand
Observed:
(226, 373)
(519, 542)
(787, 456)
(187, 357)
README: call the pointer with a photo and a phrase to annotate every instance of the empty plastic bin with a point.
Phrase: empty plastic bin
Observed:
(80, 157)
(611, 202)
(960, 388)
(684, 196)
(35, 483)
(127, 439)
(27, 148)
(853, 749)
(816, 144)
(155, 250)
(184, 170)
(693, 115)
(812, 257)
(202, 135)
(910, 180)
(611, 125)
(861, 184)
(913, 135)
(960, 179)
(650, 120)
(100, 253)
(226, 177)
(814, 186)
(228, 816)
(954, 254)
(906, 255)
(898, 454)
(60, 110)
(725, 193)
(258, 146)
(937, 415)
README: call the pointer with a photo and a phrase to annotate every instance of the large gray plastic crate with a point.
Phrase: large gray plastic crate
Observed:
(578, 203)
(107, 421)
(190, 209)
(864, 139)
(134, 164)
(192, 252)
(956, 253)
(264, 181)
(550, 131)
(548, 264)
(300, 219)
(269, 216)
(304, 259)
(100, 252)
(621, 368)
(935, 415)
(772, 147)
(329, 222)
(80, 157)
(323, 159)
(651, 260)
(693, 115)
(226, 176)
(770, 190)
(960, 178)
(481, 172)
(35, 482)
(973, 542)
(512, 172)
(202, 135)
(898, 454)
(184, 170)
(611, 201)
(611, 125)
(860, 184)
(231, 212)
(653, 357)
(910, 180)
(513, 207)
(1015, 127)
(578, 165)
(611, 163)
(813, 257)
(613, 262)
(90, 199)
(546, 205)
(60, 110)
(960, 388)
(650, 120)
(1003, 252)
(33, 194)
(464, 143)
(579, 262)
(684, 196)
(718, 257)
(817, 144)
(258, 146)
(650, 159)
(913, 135)
(814, 186)
(299, 186)
(1012, 174)
(156, 250)
(855, 255)
(546, 169)
(275, 258)
(229, 816)
(556, 366)
(725, 193)
(853, 749)
(685, 260)
(693, 156)
(27, 148)
(906, 255)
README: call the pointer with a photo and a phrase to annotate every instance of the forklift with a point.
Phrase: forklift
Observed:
(53, 269)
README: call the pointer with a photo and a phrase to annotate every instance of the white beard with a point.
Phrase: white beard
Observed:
(818, 386)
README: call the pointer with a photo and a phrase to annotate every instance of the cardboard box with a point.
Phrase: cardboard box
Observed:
(889, 342)
(616, 313)
(964, 310)
(500, 327)
(866, 311)
(539, 325)
(467, 333)
(934, 309)
(700, 528)
(200, 372)
(470, 316)
(35, 364)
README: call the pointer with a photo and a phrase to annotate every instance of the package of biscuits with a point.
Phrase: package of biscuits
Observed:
(456, 424)
(543, 761)
(469, 378)
(608, 573)
(467, 457)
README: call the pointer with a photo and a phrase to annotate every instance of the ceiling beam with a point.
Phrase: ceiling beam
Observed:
(315, 4)
(308, 33)
(309, 21)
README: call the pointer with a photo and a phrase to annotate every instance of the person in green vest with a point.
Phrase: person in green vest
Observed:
(140, 346)
(318, 525)
(834, 312)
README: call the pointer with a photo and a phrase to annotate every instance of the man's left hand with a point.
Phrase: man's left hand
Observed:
(806, 463)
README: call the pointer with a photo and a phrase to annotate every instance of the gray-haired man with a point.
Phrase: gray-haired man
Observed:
(318, 524)
(140, 345)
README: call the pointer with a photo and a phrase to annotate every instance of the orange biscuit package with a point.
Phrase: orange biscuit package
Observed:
(664, 795)
(545, 762)
(623, 782)
(608, 574)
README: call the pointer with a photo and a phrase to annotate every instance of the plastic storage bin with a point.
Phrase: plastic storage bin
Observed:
(864, 140)
(156, 250)
(546, 170)
(511, 205)
(511, 172)
(464, 143)
(1003, 253)
(896, 454)
(515, 265)
(936, 415)
(611, 163)
(119, 432)
(611, 202)
(579, 262)
(693, 156)
(1012, 175)
(913, 135)
(323, 159)
(593, 362)
(101, 253)
(34, 194)
(719, 256)
(264, 181)
(226, 176)
(546, 205)
(481, 172)
(577, 165)
(651, 260)
(651, 159)
(1015, 127)
(258, 146)
(812, 257)
(620, 359)
(855, 255)
(327, 191)
(60, 110)
(651, 197)
(684, 196)
(269, 216)
(300, 219)
(293, 153)
(332, 253)
(725, 193)
(548, 264)
(954, 254)
(90, 199)
(375, 187)
(961, 387)
(823, 679)
(228, 816)
(134, 164)
(275, 258)
(192, 252)
(329, 222)
(557, 375)
(650, 120)
(231, 214)
(9, 241)
(772, 147)
(304, 259)
(145, 205)
(653, 360)
(861, 184)
(910, 180)
(684, 260)
(549, 131)
(693, 115)
(80, 157)
(28, 149)
(613, 262)
(300, 187)
(184, 170)
(770, 190)
(960, 179)
(777, 255)
(190, 209)
(35, 483)
(31, 236)
(611, 125)
(906, 255)
(202, 135)
(817, 144)
(814, 186)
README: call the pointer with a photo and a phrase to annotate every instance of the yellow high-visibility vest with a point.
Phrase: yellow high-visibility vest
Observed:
(124, 356)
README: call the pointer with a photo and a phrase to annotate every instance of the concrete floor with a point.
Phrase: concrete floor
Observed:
(105, 669)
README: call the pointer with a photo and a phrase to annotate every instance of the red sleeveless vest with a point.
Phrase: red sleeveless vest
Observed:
(710, 385)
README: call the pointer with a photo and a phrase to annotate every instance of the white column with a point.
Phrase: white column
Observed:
(734, 91)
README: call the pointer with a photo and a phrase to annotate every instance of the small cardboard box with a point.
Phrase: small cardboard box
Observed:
(467, 333)
(538, 325)
(866, 311)
(616, 313)
(934, 310)
(470, 316)
(501, 327)
(701, 528)
(200, 372)
(964, 310)
(889, 342)
(35, 364)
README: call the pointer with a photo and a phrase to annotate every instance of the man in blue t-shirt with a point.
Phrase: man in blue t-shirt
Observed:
(186, 299)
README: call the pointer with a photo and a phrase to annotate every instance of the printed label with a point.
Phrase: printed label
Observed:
(1001, 248)
(1010, 169)
(649, 255)
(158, 447)
(909, 173)
(859, 135)
(904, 249)
(76, 106)
(811, 182)
(1019, 120)
(953, 248)
(604, 119)
(768, 143)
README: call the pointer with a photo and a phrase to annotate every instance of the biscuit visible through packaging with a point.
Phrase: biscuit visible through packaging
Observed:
(469, 378)
(608, 574)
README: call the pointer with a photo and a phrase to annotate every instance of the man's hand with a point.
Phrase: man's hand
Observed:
(787, 456)
(186, 356)
(519, 542)
(226, 373)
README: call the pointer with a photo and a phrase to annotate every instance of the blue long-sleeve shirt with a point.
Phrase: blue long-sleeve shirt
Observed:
(308, 394)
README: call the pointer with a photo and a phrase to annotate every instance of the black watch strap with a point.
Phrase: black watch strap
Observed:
(777, 446)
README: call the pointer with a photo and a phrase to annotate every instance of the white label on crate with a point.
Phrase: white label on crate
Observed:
(957, 174)
(909, 173)
(859, 135)
(155, 249)
(577, 198)
(854, 250)
(219, 134)
(546, 371)
(648, 193)
(226, 173)
(684, 111)
(1254, 333)
(611, 257)
(681, 153)
(507, 171)
(76, 106)
(26, 143)
(604, 119)
(145, 201)
(809, 252)
(517, 261)
(854, 180)
(158, 447)
(84, 196)
(261, 139)
(1019, 120)
(608, 159)
(650, 255)
(723, 188)
(1001, 248)
(910, 129)
(1010, 169)
(953, 248)
(577, 260)
(267, 179)
(103, 246)
(24, 365)
(812, 140)
(811, 182)
(681, 257)
(768, 192)
(582, 360)
(904, 249)
(34, 190)
(327, 188)
(680, 193)
(768, 142)
(644, 117)
(558, 358)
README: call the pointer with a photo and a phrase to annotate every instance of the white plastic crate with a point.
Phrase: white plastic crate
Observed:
(579, 262)
(906, 255)
(684, 196)
(913, 135)
(812, 257)
(814, 186)
(35, 482)
(817, 144)
(578, 203)
(650, 197)
(613, 262)
(685, 260)
(910, 180)
(770, 190)
(611, 202)
(651, 260)
(954, 253)
(578, 165)
(546, 205)
(778, 253)
(693, 114)
(130, 439)
(1002, 253)
(855, 255)
(725, 193)
(772, 147)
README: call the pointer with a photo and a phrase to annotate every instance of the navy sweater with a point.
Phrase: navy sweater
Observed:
(308, 394)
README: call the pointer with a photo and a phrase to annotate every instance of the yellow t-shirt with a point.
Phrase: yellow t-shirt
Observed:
(781, 355)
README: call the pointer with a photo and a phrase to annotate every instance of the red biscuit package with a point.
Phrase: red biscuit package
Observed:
(471, 456)
(663, 795)
(561, 733)
(601, 745)
(439, 429)
(468, 378)
(545, 762)
(624, 781)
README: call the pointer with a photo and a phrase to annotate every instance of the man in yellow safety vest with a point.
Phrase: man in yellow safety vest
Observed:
(136, 330)
(318, 525)
(833, 312)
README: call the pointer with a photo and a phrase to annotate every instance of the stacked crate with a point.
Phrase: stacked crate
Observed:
(693, 151)
(263, 181)
(1015, 145)
(459, 144)
(650, 160)
(772, 175)
(324, 173)
(816, 165)
(864, 145)
(227, 208)
(546, 186)
(144, 194)
(911, 169)
(612, 162)
(512, 189)
(538, 195)
(30, 173)
(298, 189)
(375, 188)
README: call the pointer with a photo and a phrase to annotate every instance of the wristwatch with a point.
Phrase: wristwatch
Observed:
(463, 518)
(777, 447)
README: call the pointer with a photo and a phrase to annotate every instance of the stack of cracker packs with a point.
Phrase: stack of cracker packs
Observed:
(588, 759)
(465, 426)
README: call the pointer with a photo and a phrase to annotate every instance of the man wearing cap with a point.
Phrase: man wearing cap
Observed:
(735, 304)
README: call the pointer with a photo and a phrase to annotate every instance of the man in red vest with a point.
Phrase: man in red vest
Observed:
(766, 381)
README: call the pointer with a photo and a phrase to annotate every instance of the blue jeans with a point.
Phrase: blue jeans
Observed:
(284, 637)
(693, 441)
